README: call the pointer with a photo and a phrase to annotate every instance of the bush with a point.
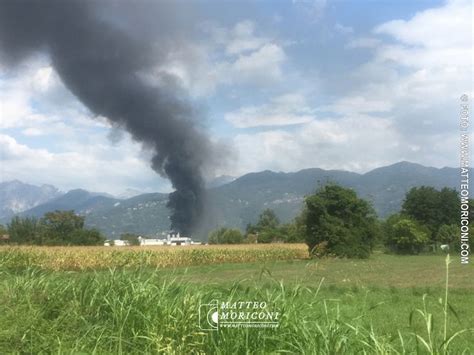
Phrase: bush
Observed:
(226, 236)
(336, 215)
(87, 237)
(449, 234)
(406, 236)
(269, 230)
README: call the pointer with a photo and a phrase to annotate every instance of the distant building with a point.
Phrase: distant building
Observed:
(172, 238)
(151, 241)
(116, 243)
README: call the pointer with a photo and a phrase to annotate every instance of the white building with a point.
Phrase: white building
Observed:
(146, 241)
(116, 242)
(172, 238)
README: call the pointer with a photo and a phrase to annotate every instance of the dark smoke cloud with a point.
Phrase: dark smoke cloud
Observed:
(103, 63)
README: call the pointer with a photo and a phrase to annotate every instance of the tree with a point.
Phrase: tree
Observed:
(267, 228)
(293, 232)
(432, 208)
(55, 228)
(67, 228)
(58, 226)
(269, 235)
(448, 234)
(406, 236)
(226, 236)
(251, 229)
(24, 230)
(336, 217)
(4, 238)
(267, 219)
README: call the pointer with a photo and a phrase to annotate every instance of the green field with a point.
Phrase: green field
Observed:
(327, 306)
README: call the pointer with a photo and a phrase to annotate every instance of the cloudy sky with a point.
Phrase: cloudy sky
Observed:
(286, 85)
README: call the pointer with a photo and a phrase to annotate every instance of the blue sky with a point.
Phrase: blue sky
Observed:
(286, 85)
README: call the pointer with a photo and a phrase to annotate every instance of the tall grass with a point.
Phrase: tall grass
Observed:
(128, 311)
(428, 342)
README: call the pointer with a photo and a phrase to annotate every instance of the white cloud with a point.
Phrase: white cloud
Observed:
(420, 68)
(73, 149)
(402, 108)
(33, 131)
(35, 100)
(243, 39)
(283, 110)
(325, 143)
(352, 143)
(432, 39)
(448, 25)
(235, 56)
(97, 167)
(262, 66)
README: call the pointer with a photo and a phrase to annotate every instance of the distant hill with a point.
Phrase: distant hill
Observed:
(81, 201)
(16, 197)
(219, 181)
(240, 201)
(145, 214)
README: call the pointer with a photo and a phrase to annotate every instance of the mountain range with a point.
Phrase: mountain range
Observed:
(230, 202)
(16, 196)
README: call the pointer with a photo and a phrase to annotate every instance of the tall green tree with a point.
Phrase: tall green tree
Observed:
(24, 230)
(58, 226)
(267, 229)
(336, 217)
(267, 219)
(432, 208)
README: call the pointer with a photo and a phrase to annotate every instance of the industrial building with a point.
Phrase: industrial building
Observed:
(172, 238)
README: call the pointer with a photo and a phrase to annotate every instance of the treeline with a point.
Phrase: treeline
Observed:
(55, 228)
(429, 218)
(335, 221)
(268, 229)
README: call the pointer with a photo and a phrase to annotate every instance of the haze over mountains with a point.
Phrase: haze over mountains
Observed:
(231, 202)
(16, 196)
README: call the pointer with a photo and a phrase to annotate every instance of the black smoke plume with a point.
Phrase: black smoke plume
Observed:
(104, 64)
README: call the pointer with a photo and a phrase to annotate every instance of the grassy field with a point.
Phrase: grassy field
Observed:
(133, 300)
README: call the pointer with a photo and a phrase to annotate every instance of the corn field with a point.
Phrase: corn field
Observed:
(96, 258)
